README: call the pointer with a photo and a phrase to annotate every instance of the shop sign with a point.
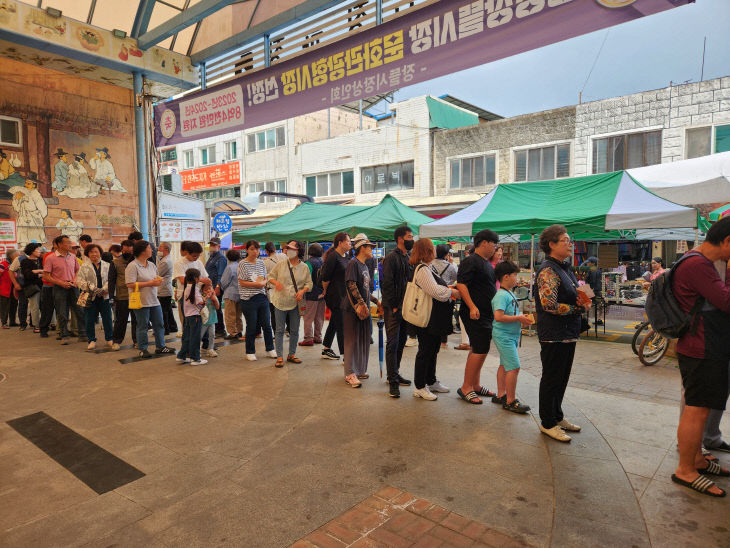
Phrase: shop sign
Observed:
(193, 231)
(441, 38)
(8, 235)
(178, 206)
(222, 223)
(211, 176)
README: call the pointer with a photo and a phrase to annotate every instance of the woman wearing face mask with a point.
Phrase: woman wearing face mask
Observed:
(291, 280)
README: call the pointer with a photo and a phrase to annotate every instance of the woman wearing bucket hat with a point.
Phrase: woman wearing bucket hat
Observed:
(358, 324)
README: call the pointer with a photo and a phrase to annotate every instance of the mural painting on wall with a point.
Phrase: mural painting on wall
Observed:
(72, 179)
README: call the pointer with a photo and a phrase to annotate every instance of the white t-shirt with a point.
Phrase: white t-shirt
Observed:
(182, 265)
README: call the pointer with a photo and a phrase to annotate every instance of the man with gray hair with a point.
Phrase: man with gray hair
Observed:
(164, 292)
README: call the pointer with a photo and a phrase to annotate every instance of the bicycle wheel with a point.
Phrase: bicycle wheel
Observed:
(652, 348)
(638, 336)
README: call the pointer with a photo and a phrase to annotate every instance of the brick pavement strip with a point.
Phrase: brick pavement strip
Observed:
(396, 519)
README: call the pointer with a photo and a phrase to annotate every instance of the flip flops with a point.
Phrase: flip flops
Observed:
(469, 397)
(483, 391)
(701, 484)
(714, 469)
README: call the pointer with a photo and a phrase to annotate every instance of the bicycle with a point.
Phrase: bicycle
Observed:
(639, 336)
(653, 347)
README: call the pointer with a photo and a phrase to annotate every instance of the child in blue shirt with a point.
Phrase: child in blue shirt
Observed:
(506, 337)
(212, 305)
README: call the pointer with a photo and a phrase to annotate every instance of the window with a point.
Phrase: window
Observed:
(722, 138)
(231, 150)
(207, 155)
(188, 162)
(167, 183)
(10, 131)
(271, 186)
(264, 140)
(543, 163)
(168, 156)
(472, 172)
(330, 184)
(387, 178)
(627, 151)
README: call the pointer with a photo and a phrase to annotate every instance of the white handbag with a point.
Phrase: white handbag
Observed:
(416, 304)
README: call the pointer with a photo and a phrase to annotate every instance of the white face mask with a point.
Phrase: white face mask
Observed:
(291, 253)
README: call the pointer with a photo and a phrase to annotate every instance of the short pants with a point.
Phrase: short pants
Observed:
(480, 337)
(507, 348)
(704, 380)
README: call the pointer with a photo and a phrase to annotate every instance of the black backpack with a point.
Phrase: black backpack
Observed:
(663, 310)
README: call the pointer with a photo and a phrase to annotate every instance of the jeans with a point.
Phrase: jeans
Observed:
(144, 316)
(396, 330)
(282, 318)
(190, 347)
(121, 309)
(168, 315)
(98, 306)
(256, 312)
(47, 307)
(34, 303)
(64, 301)
(209, 331)
(335, 327)
(23, 309)
(313, 320)
(557, 361)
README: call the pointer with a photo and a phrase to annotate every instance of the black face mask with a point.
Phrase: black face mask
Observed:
(409, 244)
(126, 256)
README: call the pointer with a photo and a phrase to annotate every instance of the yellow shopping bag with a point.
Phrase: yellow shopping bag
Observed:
(135, 298)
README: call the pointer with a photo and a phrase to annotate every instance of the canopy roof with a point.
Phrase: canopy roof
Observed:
(717, 214)
(591, 204)
(313, 222)
(704, 180)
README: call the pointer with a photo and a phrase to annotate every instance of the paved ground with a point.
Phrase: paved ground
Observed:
(237, 453)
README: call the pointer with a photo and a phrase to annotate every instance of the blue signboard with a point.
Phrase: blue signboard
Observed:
(222, 223)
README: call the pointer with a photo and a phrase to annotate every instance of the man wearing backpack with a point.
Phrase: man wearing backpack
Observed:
(702, 351)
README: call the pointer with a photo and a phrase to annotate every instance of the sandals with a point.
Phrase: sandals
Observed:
(470, 397)
(516, 407)
(293, 359)
(701, 484)
(279, 362)
(714, 469)
(483, 391)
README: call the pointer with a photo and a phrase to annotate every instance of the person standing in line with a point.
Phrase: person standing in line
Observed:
(231, 298)
(164, 292)
(190, 258)
(216, 266)
(272, 259)
(397, 272)
(142, 273)
(464, 345)
(46, 298)
(333, 283)
(16, 278)
(476, 285)
(429, 337)
(32, 269)
(84, 241)
(93, 277)
(60, 269)
(291, 280)
(8, 303)
(191, 304)
(444, 266)
(212, 305)
(137, 236)
(356, 312)
(119, 292)
(252, 290)
(314, 316)
(558, 328)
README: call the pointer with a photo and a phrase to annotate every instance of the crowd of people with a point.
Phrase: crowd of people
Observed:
(78, 284)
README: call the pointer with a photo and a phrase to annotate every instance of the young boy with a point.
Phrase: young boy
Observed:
(212, 304)
(506, 336)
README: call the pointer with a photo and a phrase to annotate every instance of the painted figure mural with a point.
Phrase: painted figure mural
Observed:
(31, 209)
(68, 226)
(104, 174)
(79, 183)
(9, 175)
(60, 171)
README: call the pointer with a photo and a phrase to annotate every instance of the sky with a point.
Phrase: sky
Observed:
(640, 55)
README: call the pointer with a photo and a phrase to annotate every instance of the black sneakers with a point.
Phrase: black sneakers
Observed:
(164, 350)
(329, 354)
(144, 354)
(394, 390)
(403, 382)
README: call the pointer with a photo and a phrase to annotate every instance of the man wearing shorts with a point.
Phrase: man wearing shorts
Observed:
(476, 284)
(702, 354)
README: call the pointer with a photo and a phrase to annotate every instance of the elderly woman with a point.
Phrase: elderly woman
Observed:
(231, 299)
(291, 280)
(558, 329)
(32, 269)
(93, 277)
(430, 281)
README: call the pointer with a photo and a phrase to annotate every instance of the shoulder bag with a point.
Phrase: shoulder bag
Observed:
(416, 308)
(135, 298)
(301, 305)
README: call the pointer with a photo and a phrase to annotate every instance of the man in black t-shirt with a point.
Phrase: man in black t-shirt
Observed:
(477, 286)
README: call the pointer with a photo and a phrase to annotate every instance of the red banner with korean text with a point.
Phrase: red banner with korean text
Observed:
(216, 176)
(437, 39)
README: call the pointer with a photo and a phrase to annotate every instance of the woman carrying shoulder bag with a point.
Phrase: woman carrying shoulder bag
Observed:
(93, 278)
(439, 324)
(32, 268)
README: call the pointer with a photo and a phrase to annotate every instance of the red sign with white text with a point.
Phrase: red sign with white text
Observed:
(204, 178)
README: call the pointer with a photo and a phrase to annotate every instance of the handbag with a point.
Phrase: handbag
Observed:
(301, 305)
(135, 298)
(416, 308)
(84, 300)
(30, 290)
(359, 311)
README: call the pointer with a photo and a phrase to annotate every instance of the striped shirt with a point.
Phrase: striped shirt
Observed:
(250, 273)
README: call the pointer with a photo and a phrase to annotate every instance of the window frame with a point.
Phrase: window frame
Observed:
(277, 188)
(227, 147)
(207, 150)
(470, 156)
(713, 137)
(185, 153)
(625, 134)
(19, 122)
(386, 171)
(329, 175)
(279, 135)
(556, 145)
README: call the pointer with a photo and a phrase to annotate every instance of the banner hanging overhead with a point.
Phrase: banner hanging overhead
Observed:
(441, 38)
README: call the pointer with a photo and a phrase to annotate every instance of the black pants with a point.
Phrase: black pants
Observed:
(121, 318)
(557, 361)
(428, 349)
(22, 309)
(47, 308)
(412, 330)
(335, 327)
(8, 306)
(396, 329)
(168, 315)
(64, 301)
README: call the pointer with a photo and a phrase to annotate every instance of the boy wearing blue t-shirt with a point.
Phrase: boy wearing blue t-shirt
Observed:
(506, 337)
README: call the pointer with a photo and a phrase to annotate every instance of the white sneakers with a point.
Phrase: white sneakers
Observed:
(424, 393)
(199, 362)
(272, 354)
(412, 341)
(251, 357)
(565, 425)
(438, 387)
(556, 433)
(183, 360)
(212, 353)
(92, 346)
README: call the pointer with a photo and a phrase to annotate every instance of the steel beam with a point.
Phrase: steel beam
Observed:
(184, 19)
(139, 131)
(142, 19)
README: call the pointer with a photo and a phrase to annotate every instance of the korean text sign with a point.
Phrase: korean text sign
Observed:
(438, 39)
(211, 176)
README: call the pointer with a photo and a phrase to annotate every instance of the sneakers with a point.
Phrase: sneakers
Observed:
(394, 391)
(556, 433)
(92, 346)
(329, 354)
(110, 344)
(212, 353)
(403, 382)
(353, 381)
(179, 334)
(307, 342)
(424, 393)
(438, 387)
(412, 341)
(199, 362)
(516, 407)
(251, 357)
(164, 350)
(565, 425)
(271, 353)
(182, 360)
(115, 346)
(144, 354)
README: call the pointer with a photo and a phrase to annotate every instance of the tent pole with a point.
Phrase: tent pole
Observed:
(532, 262)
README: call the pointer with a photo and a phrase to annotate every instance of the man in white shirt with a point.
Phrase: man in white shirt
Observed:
(191, 252)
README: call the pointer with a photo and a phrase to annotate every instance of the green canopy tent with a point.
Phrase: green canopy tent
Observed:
(717, 214)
